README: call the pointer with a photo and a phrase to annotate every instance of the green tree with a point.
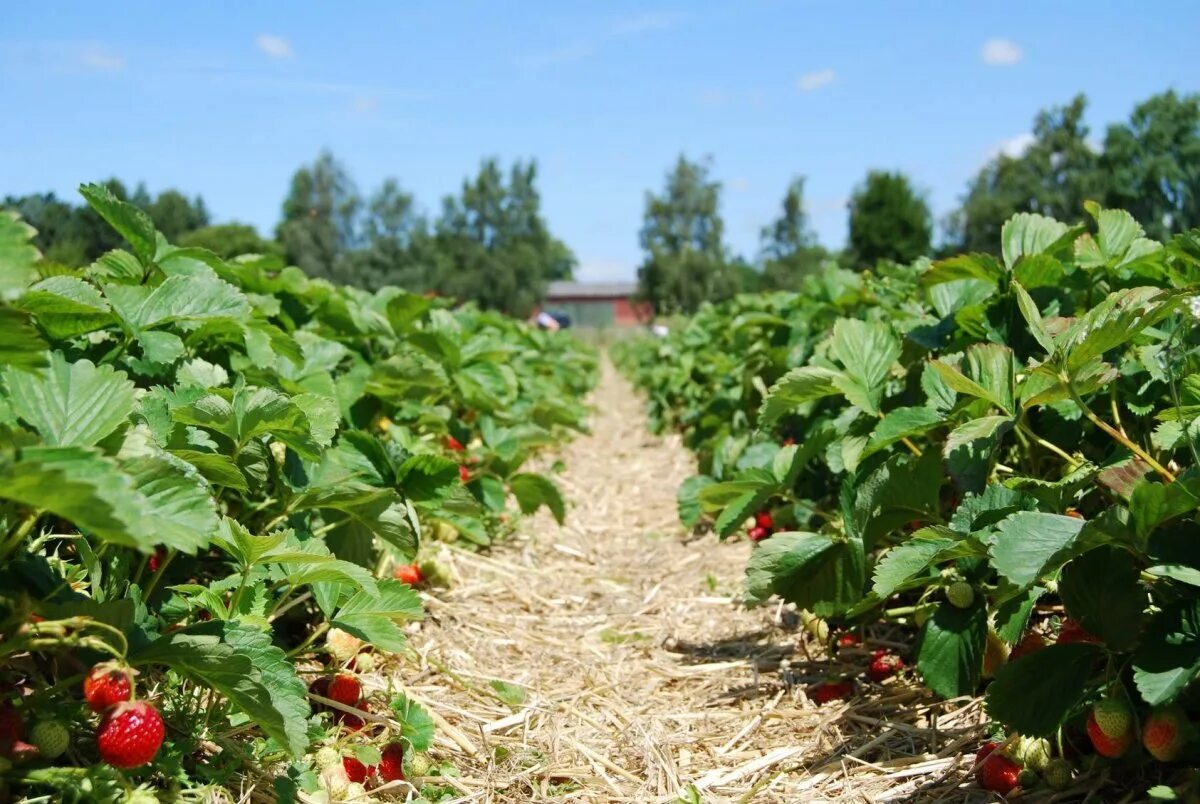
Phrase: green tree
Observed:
(889, 220)
(1153, 164)
(1055, 174)
(493, 246)
(685, 263)
(398, 246)
(790, 250)
(174, 214)
(230, 240)
(319, 216)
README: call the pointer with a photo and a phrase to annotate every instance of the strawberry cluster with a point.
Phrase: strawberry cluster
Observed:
(763, 526)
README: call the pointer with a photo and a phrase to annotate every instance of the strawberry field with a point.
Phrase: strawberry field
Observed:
(216, 481)
(989, 458)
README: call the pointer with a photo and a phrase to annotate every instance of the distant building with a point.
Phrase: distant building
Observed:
(597, 304)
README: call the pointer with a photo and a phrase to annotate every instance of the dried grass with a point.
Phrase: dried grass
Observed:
(642, 675)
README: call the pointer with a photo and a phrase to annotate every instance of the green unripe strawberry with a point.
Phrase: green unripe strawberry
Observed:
(419, 765)
(960, 594)
(51, 737)
(1058, 774)
(1113, 717)
(1027, 778)
(1034, 753)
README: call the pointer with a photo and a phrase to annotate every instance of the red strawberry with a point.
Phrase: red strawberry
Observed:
(763, 520)
(789, 442)
(108, 684)
(156, 560)
(464, 474)
(1106, 745)
(12, 727)
(345, 689)
(1072, 631)
(21, 752)
(319, 686)
(410, 574)
(1163, 733)
(391, 766)
(994, 771)
(848, 640)
(828, 691)
(355, 770)
(884, 665)
(1031, 643)
(757, 534)
(454, 444)
(130, 734)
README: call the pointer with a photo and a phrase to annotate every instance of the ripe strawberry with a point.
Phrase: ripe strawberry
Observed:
(764, 520)
(454, 444)
(155, 561)
(130, 734)
(828, 691)
(1071, 631)
(391, 766)
(464, 474)
(994, 771)
(848, 640)
(789, 442)
(1058, 774)
(1105, 744)
(1163, 733)
(108, 684)
(345, 689)
(355, 770)
(1031, 643)
(409, 574)
(757, 534)
(348, 721)
(12, 726)
(960, 594)
(319, 686)
(51, 737)
(884, 665)
(21, 752)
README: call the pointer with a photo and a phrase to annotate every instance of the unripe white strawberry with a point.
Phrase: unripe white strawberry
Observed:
(342, 646)
(51, 737)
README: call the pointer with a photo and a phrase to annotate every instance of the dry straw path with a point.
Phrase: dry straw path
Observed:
(642, 677)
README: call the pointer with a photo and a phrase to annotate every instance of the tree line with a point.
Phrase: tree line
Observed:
(490, 243)
(1149, 165)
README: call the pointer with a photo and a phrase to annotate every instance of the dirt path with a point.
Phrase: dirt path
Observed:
(641, 679)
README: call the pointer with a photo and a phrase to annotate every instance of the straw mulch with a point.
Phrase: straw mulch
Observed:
(644, 680)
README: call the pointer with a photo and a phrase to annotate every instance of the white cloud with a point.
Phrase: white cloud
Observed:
(811, 82)
(274, 46)
(1001, 52)
(366, 105)
(646, 23)
(739, 184)
(1015, 146)
(98, 57)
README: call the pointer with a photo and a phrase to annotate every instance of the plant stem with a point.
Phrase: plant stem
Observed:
(1117, 435)
(311, 639)
(1070, 459)
(154, 579)
(18, 533)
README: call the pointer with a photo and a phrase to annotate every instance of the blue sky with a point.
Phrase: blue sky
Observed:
(227, 100)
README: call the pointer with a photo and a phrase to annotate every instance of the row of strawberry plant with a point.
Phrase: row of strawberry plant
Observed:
(209, 472)
(998, 451)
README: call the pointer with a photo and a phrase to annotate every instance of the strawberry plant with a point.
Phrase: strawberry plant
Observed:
(208, 469)
(996, 451)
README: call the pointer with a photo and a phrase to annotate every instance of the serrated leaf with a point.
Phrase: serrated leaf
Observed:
(902, 423)
(902, 562)
(377, 618)
(130, 222)
(428, 477)
(289, 695)
(739, 510)
(416, 726)
(1033, 317)
(533, 491)
(1035, 694)
(66, 306)
(512, 694)
(71, 404)
(1027, 543)
(798, 386)
(1028, 233)
(950, 655)
(808, 569)
(688, 499)
(179, 299)
(20, 344)
(1100, 590)
(17, 255)
(867, 351)
(1168, 658)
